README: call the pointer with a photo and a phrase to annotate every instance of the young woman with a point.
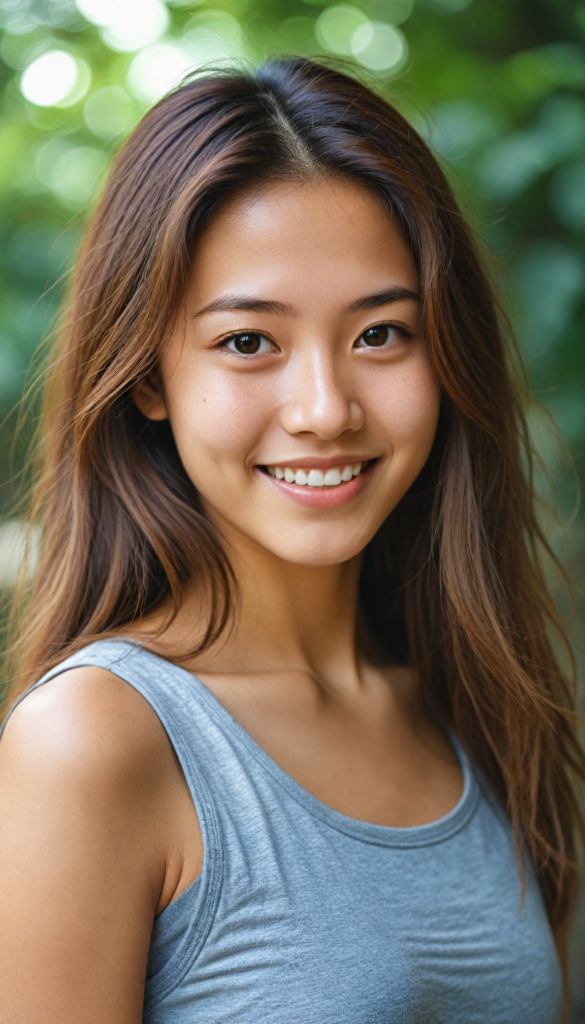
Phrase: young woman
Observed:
(302, 752)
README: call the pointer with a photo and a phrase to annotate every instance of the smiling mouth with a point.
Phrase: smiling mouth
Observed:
(332, 477)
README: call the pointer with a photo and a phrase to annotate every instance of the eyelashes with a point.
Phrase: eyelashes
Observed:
(381, 336)
(248, 344)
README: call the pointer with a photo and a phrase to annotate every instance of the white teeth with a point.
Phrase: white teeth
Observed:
(332, 478)
(316, 478)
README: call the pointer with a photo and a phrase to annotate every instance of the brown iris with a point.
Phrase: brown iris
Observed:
(376, 335)
(248, 344)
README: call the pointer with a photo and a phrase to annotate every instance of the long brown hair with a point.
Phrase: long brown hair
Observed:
(452, 582)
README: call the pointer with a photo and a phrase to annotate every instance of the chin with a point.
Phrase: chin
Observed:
(319, 553)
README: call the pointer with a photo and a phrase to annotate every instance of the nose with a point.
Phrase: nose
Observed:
(318, 397)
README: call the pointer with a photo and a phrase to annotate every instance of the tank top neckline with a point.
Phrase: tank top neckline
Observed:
(381, 835)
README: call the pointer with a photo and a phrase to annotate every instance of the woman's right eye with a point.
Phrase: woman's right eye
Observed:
(249, 343)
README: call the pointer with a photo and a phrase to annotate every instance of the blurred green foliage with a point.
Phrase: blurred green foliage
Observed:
(497, 86)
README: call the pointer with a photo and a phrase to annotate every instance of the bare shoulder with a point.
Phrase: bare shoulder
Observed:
(86, 755)
(86, 722)
(85, 773)
(94, 823)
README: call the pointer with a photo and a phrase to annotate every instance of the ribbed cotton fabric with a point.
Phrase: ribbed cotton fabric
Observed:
(303, 915)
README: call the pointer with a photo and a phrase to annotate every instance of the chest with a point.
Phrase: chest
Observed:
(316, 928)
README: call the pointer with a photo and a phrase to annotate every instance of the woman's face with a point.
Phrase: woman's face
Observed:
(299, 393)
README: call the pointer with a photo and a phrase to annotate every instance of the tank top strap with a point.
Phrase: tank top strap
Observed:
(170, 691)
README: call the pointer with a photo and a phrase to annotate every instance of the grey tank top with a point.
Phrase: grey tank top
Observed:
(303, 915)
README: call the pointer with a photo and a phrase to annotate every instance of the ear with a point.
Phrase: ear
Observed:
(148, 397)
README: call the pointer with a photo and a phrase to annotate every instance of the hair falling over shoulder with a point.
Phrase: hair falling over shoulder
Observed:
(453, 581)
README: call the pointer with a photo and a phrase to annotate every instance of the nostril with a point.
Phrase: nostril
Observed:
(326, 419)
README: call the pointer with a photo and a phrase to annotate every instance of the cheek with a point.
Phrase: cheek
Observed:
(406, 408)
(217, 419)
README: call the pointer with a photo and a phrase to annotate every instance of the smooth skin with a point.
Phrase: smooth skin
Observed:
(98, 832)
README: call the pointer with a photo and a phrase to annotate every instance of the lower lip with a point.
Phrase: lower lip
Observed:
(323, 497)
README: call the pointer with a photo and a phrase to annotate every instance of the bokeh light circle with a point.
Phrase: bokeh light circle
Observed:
(157, 69)
(379, 47)
(109, 112)
(50, 79)
(127, 25)
(337, 25)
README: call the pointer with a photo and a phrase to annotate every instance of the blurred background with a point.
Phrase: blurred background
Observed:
(496, 86)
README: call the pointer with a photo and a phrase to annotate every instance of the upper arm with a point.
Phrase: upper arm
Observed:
(81, 866)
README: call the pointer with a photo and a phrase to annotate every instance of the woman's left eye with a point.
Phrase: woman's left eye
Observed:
(379, 336)
(249, 343)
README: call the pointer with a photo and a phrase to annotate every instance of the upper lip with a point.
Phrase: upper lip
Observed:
(320, 463)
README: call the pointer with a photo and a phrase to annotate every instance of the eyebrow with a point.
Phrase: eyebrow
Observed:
(246, 304)
(383, 298)
(250, 304)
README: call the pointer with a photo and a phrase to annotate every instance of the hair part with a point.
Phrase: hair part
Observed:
(452, 582)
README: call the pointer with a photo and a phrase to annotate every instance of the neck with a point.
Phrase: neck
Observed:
(289, 617)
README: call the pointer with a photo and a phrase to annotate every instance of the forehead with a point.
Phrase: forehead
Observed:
(326, 237)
